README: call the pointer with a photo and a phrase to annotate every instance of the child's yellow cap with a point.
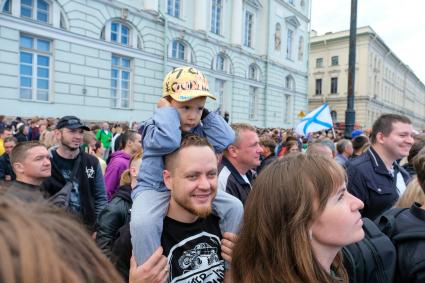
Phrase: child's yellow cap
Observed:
(185, 83)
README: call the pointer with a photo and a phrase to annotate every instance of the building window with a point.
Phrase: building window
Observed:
(219, 92)
(253, 73)
(334, 115)
(302, 3)
(120, 81)
(178, 50)
(319, 63)
(35, 9)
(216, 6)
(248, 28)
(334, 85)
(318, 86)
(290, 41)
(220, 63)
(7, 7)
(289, 82)
(34, 68)
(301, 48)
(253, 103)
(334, 60)
(173, 8)
(291, 2)
(120, 33)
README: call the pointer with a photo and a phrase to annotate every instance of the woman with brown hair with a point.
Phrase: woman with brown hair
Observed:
(297, 218)
(40, 243)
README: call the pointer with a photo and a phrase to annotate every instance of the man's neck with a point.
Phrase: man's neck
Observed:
(240, 168)
(388, 161)
(29, 181)
(66, 153)
(180, 214)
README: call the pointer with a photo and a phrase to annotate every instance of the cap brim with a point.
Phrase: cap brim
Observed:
(85, 128)
(186, 96)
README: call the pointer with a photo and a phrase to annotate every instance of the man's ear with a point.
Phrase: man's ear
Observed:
(232, 151)
(167, 179)
(18, 167)
(380, 137)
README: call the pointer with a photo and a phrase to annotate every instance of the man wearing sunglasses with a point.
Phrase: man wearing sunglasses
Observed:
(87, 196)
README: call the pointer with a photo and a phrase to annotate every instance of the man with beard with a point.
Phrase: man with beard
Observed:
(88, 196)
(191, 238)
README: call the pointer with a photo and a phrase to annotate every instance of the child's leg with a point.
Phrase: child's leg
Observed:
(147, 217)
(230, 211)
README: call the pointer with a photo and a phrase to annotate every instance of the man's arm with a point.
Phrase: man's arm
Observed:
(99, 192)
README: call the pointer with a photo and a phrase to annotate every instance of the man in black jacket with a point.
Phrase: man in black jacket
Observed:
(88, 195)
(375, 177)
(239, 159)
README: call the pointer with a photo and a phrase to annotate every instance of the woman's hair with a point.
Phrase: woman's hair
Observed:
(274, 243)
(413, 193)
(40, 243)
(97, 146)
(289, 144)
(125, 179)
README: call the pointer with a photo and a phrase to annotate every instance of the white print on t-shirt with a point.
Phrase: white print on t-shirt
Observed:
(90, 172)
(200, 263)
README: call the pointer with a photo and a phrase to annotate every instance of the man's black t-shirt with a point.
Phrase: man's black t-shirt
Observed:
(193, 250)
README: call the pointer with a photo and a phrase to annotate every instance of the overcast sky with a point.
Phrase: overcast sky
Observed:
(401, 24)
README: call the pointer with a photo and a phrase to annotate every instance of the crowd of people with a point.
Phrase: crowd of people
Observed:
(186, 197)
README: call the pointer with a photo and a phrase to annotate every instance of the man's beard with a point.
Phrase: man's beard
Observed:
(65, 144)
(202, 212)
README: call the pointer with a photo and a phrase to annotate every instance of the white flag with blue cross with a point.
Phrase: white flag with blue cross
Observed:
(317, 120)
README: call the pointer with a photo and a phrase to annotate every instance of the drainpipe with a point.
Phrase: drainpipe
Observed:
(165, 51)
(266, 77)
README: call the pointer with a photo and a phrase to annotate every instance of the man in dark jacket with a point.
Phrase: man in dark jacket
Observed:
(375, 177)
(31, 163)
(88, 197)
(6, 171)
(239, 159)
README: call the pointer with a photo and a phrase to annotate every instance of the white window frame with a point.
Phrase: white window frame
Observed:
(36, 69)
(187, 51)
(254, 72)
(332, 90)
(319, 62)
(249, 27)
(216, 16)
(289, 43)
(119, 33)
(117, 91)
(34, 11)
(318, 91)
(253, 103)
(3, 8)
(171, 8)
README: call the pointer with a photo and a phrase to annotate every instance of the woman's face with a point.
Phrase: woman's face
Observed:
(294, 149)
(340, 223)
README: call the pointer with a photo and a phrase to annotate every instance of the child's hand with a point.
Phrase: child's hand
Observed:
(163, 102)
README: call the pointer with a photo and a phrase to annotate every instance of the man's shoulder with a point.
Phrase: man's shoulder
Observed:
(363, 162)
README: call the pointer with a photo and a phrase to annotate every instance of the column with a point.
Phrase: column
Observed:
(237, 22)
(200, 18)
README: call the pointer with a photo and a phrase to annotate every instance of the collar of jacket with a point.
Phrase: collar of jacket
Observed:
(235, 173)
(378, 164)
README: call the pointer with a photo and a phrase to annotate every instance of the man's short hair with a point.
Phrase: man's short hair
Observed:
(419, 166)
(19, 152)
(384, 125)
(359, 141)
(188, 140)
(268, 142)
(327, 142)
(129, 135)
(342, 145)
(10, 139)
(240, 127)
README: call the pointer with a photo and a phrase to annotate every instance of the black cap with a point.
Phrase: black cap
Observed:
(71, 122)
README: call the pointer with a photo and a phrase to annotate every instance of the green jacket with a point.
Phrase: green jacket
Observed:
(105, 138)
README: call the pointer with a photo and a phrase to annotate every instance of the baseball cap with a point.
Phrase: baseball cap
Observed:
(71, 122)
(184, 84)
(356, 133)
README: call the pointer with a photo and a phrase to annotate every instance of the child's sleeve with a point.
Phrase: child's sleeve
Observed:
(217, 131)
(162, 133)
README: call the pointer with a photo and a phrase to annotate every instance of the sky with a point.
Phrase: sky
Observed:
(401, 25)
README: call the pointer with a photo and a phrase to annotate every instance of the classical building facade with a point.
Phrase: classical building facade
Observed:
(105, 59)
(383, 83)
